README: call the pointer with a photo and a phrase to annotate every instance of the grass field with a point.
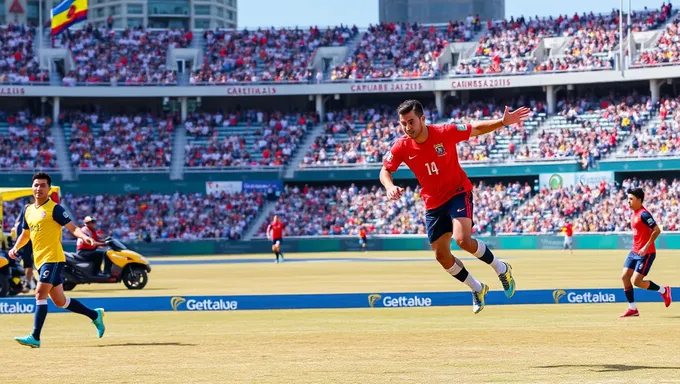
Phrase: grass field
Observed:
(503, 344)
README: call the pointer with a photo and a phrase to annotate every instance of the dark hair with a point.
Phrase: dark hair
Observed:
(637, 192)
(42, 176)
(410, 105)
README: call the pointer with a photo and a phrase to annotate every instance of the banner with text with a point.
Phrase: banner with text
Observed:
(562, 180)
(218, 187)
(181, 303)
(263, 186)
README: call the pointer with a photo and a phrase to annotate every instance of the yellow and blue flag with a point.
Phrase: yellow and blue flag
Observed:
(67, 13)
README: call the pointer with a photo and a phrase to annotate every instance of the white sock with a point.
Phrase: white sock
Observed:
(469, 280)
(662, 290)
(496, 264)
(473, 283)
(632, 306)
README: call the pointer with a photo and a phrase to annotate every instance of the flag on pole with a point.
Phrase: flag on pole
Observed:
(67, 13)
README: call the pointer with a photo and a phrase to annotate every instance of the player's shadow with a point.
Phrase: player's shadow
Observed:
(608, 367)
(170, 344)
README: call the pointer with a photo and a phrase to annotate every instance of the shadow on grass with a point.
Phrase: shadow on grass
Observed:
(144, 345)
(608, 367)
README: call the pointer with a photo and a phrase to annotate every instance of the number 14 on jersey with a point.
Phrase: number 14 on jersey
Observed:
(432, 168)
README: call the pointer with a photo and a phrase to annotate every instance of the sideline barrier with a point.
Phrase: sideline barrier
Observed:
(318, 244)
(335, 300)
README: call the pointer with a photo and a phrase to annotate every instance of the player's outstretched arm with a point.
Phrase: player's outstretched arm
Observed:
(393, 192)
(482, 127)
(78, 233)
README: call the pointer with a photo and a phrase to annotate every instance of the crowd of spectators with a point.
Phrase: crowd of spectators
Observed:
(363, 136)
(140, 140)
(176, 216)
(259, 138)
(132, 56)
(401, 50)
(333, 210)
(280, 55)
(549, 210)
(508, 43)
(18, 61)
(602, 123)
(658, 139)
(28, 144)
(612, 214)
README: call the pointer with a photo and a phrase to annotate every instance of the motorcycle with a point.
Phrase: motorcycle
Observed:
(126, 265)
(12, 276)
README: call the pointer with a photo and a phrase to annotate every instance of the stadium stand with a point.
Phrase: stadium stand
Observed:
(659, 138)
(666, 49)
(394, 50)
(588, 129)
(131, 56)
(118, 142)
(508, 46)
(364, 136)
(26, 142)
(611, 213)
(548, 210)
(168, 216)
(332, 210)
(250, 138)
(280, 55)
(18, 62)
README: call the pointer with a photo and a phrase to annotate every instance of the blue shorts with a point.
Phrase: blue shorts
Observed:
(50, 273)
(640, 264)
(440, 220)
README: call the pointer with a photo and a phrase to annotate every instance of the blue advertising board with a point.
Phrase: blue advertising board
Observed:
(262, 186)
(24, 305)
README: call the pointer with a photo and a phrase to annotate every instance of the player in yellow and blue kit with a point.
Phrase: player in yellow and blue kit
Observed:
(42, 222)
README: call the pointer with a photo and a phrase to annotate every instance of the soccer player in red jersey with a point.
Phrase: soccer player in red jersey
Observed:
(568, 237)
(275, 234)
(362, 237)
(430, 152)
(640, 259)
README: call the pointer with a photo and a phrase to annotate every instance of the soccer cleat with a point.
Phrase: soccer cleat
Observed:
(478, 299)
(631, 313)
(99, 323)
(507, 281)
(28, 341)
(667, 299)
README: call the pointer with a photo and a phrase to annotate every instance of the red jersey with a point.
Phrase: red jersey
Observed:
(434, 162)
(83, 246)
(362, 233)
(569, 230)
(643, 224)
(277, 230)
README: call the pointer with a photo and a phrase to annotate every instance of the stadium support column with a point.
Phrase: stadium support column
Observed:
(56, 109)
(183, 108)
(655, 89)
(550, 92)
(320, 110)
(439, 102)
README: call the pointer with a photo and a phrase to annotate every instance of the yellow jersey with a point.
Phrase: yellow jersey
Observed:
(45, 223)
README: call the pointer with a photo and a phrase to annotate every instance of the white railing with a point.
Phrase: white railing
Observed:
(122, 170)
(467, 163)
(236, 168)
